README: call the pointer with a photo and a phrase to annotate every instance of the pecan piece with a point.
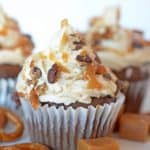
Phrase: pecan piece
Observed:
(36, 73)
(41, 89)
(107, 76)
(84, 58)
(53, 73)
(31, 82)
(76, 41)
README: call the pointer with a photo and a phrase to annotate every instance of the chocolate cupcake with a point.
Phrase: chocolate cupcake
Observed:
(125, 52)
(14, 48)
(67, 94)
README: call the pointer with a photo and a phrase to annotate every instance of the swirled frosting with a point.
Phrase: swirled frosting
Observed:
(67, 74)
(117, 47)
(13, 43)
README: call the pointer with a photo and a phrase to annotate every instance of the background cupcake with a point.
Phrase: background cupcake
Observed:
(14, 48)
(125, 51)
(67, 94)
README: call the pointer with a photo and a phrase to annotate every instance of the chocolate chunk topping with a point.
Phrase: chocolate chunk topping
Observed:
(85, 58)
(36, 73)
(76, 41)
(53, 74)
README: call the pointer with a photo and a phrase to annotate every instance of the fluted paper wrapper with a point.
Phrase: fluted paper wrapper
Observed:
(137, 95)
(60, 128)
(7, 87)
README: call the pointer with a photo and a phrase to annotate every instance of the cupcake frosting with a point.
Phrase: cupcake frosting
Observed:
(67, 74)
(13, 43)
(116, 46)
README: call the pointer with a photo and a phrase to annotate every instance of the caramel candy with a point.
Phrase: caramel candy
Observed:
(104, 143)
(133, 127)
(146, 117)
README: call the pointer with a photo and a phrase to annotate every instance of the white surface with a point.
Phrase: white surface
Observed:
(42, 17)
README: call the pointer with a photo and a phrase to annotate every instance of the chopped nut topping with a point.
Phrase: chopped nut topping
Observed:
(31, 82)
(34, 99)
(32, 64)
(90, 75)
(36, 73)
(100, 69)
(76, 41)
(53, 73)
(65, 56)
(84, 58)
(107, 76)
(41, 89)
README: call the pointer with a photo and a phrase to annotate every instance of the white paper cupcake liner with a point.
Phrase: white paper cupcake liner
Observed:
(137, 95)
(7, 87)
(60, 128)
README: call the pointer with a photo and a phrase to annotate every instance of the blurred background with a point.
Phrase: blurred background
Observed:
(41, 18)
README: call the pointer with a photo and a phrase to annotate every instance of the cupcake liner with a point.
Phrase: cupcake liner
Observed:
(7, 87)
(145, 107)
(60, 128)
(137, 93)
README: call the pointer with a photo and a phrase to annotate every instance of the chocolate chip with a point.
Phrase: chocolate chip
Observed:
(36, 73)
(53, 74)
(107, 76)
(85, 58)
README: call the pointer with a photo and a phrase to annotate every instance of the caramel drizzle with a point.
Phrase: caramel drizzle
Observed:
(52, 56)
(90, 75)
(62, 68)
(64, 41)
(65, 57)
(41, 55)
(34, 100)
(4, 31)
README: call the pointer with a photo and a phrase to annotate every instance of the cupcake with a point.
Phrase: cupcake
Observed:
(67, 94)
(126, 52)
(14, 48)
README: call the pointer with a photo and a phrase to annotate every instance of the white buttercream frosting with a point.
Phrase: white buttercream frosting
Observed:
(70, 86)
(14, 46)
(12, 57)
(117, 50)
(2, 19)
(119, 61)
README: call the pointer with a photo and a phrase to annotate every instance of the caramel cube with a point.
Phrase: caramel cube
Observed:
(133, 127)
(104, 143)
(146, 117)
